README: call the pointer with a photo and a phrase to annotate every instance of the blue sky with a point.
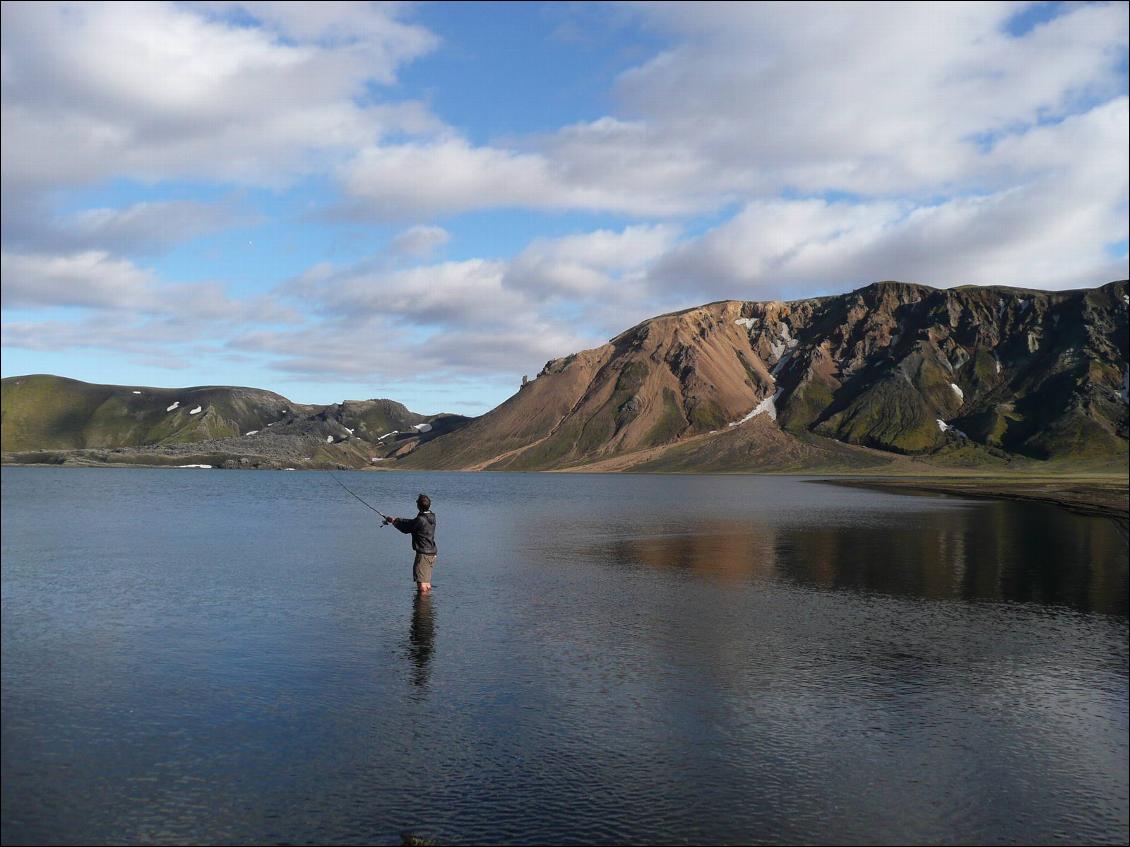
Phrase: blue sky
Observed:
(427, 201)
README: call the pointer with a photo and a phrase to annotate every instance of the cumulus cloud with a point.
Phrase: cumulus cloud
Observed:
(869, 99)
(419, 241)
(876, 100)
(96, 280)
(134, 339)
(1051, 231)
(423, 294)
(140, 228)
(376, 347)
(459, 318)
(588, 264)
(449, 175)
(770, 151)
(91, 278)
(253, 93)
(605, 166)
(156, 91)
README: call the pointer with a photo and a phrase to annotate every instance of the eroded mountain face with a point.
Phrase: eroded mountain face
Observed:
(894, 367)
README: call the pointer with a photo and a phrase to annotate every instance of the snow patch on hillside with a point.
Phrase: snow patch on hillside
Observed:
(768, 406)
(957, 390)
(945, 427)
(174, 406)
(776, 369)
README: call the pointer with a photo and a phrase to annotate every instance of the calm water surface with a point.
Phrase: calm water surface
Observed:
(217, 657)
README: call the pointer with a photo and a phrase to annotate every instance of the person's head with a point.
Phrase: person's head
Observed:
(423, 502)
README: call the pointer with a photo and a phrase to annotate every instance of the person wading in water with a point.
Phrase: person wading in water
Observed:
(423, 530)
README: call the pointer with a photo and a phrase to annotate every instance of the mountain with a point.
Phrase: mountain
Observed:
(51, 418)
(889, 374)
(962, 376)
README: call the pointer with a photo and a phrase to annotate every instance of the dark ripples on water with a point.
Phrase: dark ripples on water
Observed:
(238, 657)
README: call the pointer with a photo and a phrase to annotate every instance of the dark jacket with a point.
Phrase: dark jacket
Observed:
(423, 529)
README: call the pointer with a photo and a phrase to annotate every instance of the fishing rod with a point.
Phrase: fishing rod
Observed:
(387, 519)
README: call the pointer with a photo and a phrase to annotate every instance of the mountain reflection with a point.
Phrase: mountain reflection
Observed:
(717, 549)
(1003, 552)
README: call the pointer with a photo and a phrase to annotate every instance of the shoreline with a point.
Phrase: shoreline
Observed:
(1094, 496)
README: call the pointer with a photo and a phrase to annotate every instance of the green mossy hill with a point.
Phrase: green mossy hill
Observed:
(51, 413)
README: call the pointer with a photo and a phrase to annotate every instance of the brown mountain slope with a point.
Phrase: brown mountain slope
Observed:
(960, 375)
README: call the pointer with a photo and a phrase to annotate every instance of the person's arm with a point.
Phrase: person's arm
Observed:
(405, 525)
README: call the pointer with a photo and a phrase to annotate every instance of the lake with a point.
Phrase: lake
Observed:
(218, 657)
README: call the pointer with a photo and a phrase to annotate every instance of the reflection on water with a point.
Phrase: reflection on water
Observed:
(1006, 551)
(194, 657)
(422, 639)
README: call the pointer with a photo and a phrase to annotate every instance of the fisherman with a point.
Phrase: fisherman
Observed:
(423, 530)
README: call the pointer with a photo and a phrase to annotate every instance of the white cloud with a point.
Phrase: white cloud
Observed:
(448, 175)
(1051, 231)
(451, 319)
(586, 167)
(588, 264)
(836, 146)
(884, 100)
(158, 92)
(97, 280)
(91, 278)
(155, 91)
(476, 316)
(371, 28)
(870, 99)
(423, 294)
(607, 249)
(375, 347)
(141, 228)
(419, 241)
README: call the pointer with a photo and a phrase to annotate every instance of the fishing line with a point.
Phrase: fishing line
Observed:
(347, 488)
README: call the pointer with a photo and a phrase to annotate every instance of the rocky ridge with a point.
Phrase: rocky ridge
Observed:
(968, 375)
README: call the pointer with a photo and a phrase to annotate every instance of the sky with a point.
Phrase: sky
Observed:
(426, 202)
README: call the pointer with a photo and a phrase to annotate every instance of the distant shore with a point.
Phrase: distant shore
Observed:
(1102, 496)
